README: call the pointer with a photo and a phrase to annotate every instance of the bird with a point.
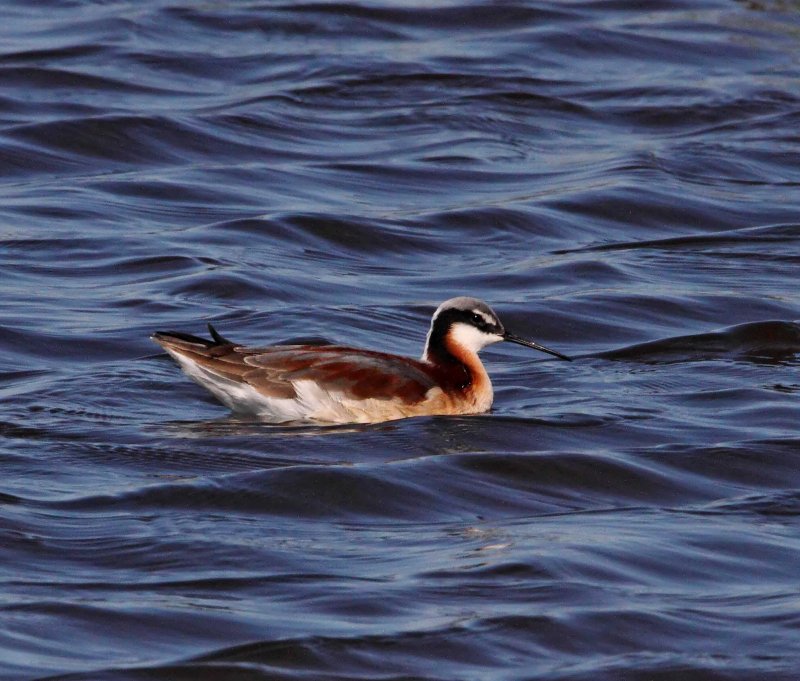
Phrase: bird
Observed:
(337, 384)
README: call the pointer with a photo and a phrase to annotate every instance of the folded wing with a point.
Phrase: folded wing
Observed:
(354, 374)
(274, 371)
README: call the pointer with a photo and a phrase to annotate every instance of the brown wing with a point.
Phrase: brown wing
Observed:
(356, 374)
(221, 358)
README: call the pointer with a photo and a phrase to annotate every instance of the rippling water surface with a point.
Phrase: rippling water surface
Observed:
(619, 179)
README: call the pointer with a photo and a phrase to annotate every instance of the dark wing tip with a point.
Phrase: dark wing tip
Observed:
(218, 339)
(178, 338)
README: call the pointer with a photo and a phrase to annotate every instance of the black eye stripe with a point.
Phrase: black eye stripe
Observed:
(446, 318)
(479, 321)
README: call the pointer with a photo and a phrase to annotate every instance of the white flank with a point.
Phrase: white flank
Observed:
(310, 403)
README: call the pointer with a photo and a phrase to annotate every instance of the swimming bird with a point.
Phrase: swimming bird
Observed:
(338, 384)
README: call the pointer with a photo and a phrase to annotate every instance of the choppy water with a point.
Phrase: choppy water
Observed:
(619, 179)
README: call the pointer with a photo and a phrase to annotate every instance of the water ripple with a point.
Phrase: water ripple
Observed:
(616, 179)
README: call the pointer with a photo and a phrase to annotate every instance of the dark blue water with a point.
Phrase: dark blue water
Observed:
(620, 180)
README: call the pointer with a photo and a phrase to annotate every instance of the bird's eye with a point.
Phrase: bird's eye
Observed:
(477, 319)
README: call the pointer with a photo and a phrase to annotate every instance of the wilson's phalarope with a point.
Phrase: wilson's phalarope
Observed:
(337, 384)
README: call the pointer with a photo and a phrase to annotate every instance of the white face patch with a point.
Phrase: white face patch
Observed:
(470, 338)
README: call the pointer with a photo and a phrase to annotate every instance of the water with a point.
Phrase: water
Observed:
(619, 180)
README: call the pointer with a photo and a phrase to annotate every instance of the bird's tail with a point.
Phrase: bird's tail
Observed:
(175, 340)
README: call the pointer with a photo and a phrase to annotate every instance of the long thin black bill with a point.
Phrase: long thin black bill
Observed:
(511, 338)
